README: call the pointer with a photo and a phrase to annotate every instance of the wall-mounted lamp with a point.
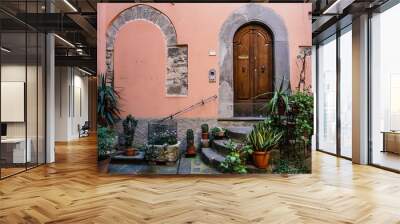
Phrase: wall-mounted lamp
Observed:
(5, 50)
(70, 5)
(65, 41)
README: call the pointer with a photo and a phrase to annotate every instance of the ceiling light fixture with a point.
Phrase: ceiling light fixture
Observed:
(338, 6)
(84, 71)
(64, 40)
(70, 5)
(5, 50)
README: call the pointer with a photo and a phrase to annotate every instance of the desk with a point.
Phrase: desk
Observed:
(16, 148)
(391, 141)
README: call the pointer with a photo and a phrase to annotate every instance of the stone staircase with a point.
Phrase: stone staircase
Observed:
(218, 150)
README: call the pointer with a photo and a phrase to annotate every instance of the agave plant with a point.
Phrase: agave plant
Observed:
(263, 138)
(108, 111)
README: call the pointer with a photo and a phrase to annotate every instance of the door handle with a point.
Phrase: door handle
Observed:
(243, 69)
(263, 69)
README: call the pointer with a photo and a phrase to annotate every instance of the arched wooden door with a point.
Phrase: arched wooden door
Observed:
(253, 73)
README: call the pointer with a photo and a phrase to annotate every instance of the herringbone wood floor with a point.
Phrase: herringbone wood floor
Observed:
(73, 191)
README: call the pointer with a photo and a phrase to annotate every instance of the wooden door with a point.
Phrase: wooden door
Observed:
(252, 69)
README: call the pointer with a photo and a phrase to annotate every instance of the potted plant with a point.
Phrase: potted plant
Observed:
(190, 148)
(303, 101)
(263, 139)
(108, 112)
(235, 161)
(129, 125)
(163, 146)
(218, 132)
(279, 103)
(205, 142)
(204, 131)
(106, 142)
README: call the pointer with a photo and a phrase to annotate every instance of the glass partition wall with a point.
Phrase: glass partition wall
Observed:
(334, 94)
(22, 107)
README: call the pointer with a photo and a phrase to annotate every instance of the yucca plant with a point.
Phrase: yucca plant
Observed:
(263, 138)
(279, 102)
(108, 111)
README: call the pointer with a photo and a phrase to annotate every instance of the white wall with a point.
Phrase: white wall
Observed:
(71, 102)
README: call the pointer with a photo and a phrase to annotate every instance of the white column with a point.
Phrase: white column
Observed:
(50, 110)
(360, 90)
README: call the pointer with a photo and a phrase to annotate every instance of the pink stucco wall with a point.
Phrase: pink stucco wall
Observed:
(140, 53)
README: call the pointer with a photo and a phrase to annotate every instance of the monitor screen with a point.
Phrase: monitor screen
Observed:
(3, 129)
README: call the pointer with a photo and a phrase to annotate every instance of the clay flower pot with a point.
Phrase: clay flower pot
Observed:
(205, 143)
(204, 135)
(191, 151)
(261, 159)
(130, 152)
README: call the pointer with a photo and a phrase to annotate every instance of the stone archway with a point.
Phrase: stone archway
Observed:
(177, 55)
(247, 14)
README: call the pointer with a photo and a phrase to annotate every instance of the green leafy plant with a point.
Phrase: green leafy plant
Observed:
(263, 138)
(302, 104)
(204, 128)
(217, 131)
(108, 111)
(235, 161)
(105, 141)
(129, 124)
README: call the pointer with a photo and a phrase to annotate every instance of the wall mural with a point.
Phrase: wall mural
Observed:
(186, 124)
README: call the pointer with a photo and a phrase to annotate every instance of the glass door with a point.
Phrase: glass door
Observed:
(326, 96)
(346, 92)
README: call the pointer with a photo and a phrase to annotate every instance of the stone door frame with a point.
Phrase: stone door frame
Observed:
(250, 13)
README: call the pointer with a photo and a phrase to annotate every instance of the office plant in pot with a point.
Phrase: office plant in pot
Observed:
(190, 148)
(263, 139)
(129, 125)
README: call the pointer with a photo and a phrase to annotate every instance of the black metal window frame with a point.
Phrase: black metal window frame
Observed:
(31, 30)
(337, 34)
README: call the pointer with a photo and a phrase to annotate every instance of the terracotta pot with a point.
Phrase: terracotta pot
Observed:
(204, 135)
(190, 151)
(130, 152)
(205, 143)
(261, 159)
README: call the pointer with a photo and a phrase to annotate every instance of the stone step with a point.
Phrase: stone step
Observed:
(220, 147)
(211, 157)
(238, 133)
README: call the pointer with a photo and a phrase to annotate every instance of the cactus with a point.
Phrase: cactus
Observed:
(190, 136)
(129, 125)
(204, 128)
